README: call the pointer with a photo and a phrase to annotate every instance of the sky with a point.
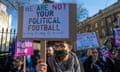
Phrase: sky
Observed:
(93, 6)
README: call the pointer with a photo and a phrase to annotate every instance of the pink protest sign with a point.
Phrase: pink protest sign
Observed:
(23, 48)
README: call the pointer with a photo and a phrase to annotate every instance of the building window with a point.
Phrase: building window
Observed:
(109, 20)
(91, 28)
(102, 23)
(110, 30)
(103, 32)
(96, 25)
(118, 19)
(86, 29)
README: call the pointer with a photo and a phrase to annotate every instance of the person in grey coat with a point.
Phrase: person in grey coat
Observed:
(63, 61)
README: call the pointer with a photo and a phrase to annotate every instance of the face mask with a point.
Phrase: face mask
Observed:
(61, 53)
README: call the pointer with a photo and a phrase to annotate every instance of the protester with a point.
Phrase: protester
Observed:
(109, 63)
(117, 61)
(108, 58)
(93, 63)
(50, 51)
(29, 65)
(34, 58)
(82, 55)
(63, 61)
(17, 65)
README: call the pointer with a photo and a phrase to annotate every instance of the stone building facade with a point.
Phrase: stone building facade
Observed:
(102, 23)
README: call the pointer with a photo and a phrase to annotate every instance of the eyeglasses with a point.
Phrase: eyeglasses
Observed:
(59, 46)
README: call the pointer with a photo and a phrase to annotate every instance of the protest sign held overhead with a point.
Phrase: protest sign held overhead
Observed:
(23, 48)
(104, 50)
(46, 21)
(87, 40)
(117, 36)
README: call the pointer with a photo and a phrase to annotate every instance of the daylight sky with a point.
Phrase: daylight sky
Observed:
(93, 6)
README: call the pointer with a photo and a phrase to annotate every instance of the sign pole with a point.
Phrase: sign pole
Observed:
(43, 50)
(24, 64)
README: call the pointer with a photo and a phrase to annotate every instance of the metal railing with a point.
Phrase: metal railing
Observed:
(7, 36)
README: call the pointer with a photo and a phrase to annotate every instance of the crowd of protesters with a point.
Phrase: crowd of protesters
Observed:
(61, 58)
(97, 60)
(93, 60)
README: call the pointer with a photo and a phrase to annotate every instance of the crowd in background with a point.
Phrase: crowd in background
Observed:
(98, 59)
(61, 58)
(101, 60)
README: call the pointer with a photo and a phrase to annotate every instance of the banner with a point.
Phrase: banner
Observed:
(87, 40)
(117, 36)
(24, 48)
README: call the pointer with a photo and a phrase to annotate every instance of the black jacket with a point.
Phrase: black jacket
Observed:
(117, 65)
(89, 66)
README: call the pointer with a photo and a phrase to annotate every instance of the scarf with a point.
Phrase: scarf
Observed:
(57, 66)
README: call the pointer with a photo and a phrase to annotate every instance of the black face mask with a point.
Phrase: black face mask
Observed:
(61, 53)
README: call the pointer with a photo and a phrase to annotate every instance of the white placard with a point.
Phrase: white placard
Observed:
(46, 21)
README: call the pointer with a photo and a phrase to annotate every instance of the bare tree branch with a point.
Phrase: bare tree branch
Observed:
(47, 1)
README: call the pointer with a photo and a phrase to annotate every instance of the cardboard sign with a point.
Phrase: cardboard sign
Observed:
(87, 40)
(24, 48)
(47, 21)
